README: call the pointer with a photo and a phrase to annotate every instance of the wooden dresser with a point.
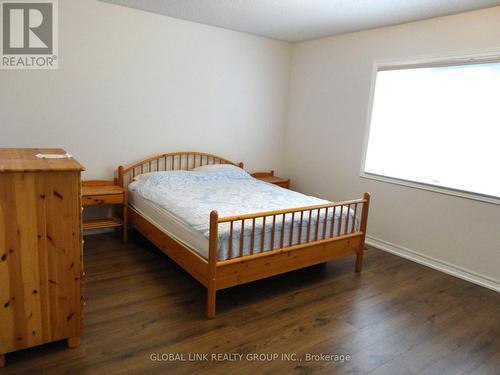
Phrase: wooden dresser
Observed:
(41, 270)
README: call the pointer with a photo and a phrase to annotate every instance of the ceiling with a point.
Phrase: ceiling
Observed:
(299, 20)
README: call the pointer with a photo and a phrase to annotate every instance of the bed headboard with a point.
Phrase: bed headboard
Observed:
(169, 162)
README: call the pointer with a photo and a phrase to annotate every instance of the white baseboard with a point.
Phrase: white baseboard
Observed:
(439, 265)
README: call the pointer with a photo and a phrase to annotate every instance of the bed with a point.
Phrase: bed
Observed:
(227, 228)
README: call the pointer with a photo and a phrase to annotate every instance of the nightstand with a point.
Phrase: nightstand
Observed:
(104, 192)
(271, 178)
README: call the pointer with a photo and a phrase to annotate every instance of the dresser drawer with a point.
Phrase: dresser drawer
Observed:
(40, 236)
(93, 200)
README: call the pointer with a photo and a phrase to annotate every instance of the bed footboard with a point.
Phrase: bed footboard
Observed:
(269, 243)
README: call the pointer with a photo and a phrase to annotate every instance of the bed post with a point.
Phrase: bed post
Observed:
(212, 263)
(364, 220)
(121, 182)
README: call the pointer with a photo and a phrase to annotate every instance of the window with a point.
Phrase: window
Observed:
(437, 126)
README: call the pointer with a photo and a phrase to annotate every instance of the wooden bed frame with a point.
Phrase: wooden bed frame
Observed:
(217, 274)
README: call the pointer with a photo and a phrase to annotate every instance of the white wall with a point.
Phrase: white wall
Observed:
(329, 95)
(132, 84)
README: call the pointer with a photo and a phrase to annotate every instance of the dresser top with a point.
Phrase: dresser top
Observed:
(25, 160)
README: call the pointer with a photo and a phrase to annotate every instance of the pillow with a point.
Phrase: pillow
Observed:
(216, 168)
(145, 176)
(212, 168)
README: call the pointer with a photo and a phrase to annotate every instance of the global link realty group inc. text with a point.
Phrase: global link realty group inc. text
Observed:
(251, 357)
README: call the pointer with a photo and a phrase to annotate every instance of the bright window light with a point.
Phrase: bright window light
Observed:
(437, 126)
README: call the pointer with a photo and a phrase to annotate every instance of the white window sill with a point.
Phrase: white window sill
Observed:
(433, 188)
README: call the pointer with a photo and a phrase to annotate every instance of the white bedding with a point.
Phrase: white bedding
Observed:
(180, 202)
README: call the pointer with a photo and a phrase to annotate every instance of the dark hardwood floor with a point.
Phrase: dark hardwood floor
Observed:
(396, 317)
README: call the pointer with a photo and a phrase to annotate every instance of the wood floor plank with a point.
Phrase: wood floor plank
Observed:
(396, 317)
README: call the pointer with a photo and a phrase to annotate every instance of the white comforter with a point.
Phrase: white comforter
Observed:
(191, 196)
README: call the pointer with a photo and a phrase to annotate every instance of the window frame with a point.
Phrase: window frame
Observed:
(455, 59)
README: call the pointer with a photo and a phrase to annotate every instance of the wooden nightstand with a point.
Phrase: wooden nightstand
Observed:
(101, 192)
(271, 178)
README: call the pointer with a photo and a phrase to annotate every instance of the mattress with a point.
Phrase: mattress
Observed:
(179, 203)
(168, 223)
